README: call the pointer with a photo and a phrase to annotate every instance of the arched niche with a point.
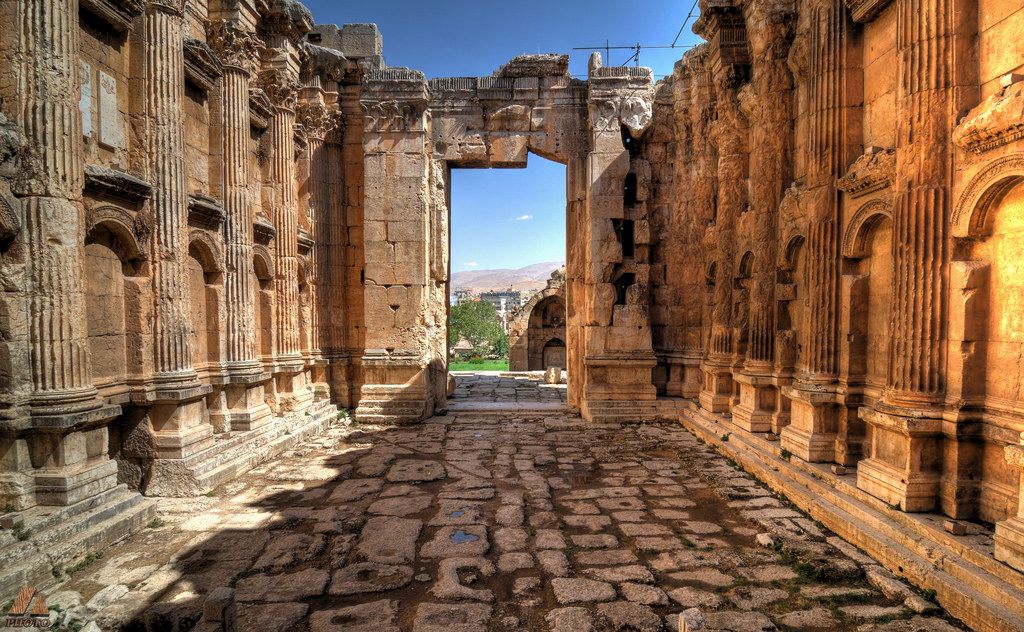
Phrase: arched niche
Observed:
(993, 332)
(791, 297)
(867, 243)
(305, 307)
(262, 282)
(205, 280)
(114, 307)
(553, 354)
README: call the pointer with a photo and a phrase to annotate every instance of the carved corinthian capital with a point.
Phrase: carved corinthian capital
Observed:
(174, 7)
(235, 47)
(316, 118)
(280, 87)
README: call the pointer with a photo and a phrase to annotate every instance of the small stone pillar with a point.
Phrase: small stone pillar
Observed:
(1009, 536)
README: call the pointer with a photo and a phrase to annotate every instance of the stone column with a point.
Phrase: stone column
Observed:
(832, 53)
(71, 461)
(246, 408)
(728, 133)
(767, 103)
(1009, 536)
(178, 413)
(905, 455)
(317, 120)
(282, 89)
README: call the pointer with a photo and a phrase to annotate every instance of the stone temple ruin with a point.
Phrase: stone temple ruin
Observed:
(221, 224)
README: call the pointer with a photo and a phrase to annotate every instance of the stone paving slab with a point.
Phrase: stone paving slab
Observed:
(522, 521)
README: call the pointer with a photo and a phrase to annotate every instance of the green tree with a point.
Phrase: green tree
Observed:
(477, 322)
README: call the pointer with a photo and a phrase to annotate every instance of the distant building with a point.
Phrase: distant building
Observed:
(461, 295)
(506, 302)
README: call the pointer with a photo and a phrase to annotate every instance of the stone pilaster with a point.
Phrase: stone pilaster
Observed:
(282, 89)
(831, 48)
(317, 119)
(244, 391)
(767, 104)
(909, 420)
(178, 413)
(1009, 535)
(396, 375)
(71, 461)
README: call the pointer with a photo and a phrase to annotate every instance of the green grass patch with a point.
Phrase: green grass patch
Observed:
(479, 364)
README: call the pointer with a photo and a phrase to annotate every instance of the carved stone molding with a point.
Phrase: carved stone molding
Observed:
(201, 64)
(260, 109)
(236, 47)
(263, 232)
(866, 10)
(287, 18)
(205, 211)
(986, 188)
(305, 240)
(316, 118)
(117, 13)
(855, 235)
(116, 184)
(873, 171)
(280, 87)
(211, 253)
(997, 121)
(633, 111)
(392, 116)
(130, 228)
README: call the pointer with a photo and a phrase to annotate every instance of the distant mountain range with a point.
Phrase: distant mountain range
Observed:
(531, 278)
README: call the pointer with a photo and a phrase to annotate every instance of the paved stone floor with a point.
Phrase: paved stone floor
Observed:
(485, 521)
(506, 388)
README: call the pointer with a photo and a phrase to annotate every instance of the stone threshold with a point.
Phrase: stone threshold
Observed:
(60, 536)
(968, 581)
(505, 407)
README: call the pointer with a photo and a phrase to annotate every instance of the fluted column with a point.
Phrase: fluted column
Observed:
(771, 146)
(316, 120)
(238, 52)
(165, 90)
(832, 49)
(52, 202)
(729, 131)
(282, 91)
(917, 350)
(905, 463)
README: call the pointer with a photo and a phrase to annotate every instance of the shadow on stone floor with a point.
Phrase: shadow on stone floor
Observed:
(464, 523)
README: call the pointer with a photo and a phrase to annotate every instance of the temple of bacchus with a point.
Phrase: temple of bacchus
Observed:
(222, 224)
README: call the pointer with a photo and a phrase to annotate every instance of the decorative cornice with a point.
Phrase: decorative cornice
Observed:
(172, 7)
(117, 184)
(305, 241)
(873, 171)
(201, 64)
(260, 109)
(205, 211)
(287, 18)
(263, 231)
(236, 47)
(117, 13)
(997, 121)
(866, 10)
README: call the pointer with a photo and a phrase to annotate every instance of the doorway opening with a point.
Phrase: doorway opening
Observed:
(507, 270)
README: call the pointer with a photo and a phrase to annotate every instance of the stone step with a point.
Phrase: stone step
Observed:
(112, 516)
(986, 595)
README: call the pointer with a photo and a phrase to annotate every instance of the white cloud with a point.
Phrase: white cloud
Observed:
(471, 264)
(523, 218)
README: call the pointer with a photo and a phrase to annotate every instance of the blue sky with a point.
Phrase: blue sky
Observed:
(490, 207)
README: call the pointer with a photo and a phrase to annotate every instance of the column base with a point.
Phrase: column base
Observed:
(616, 378)
(243, 406)
(396, 388)
(901, 449)
(811, 433)
(757, 403)
(716, 393)
(74, 483)
(1009, 540)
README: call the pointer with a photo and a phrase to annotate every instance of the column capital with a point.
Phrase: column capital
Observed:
(236, 47)
(317, 119)
(280, 87)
